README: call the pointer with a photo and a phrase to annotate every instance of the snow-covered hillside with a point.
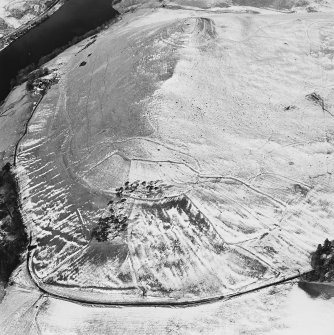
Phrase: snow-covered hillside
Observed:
(185, 155)
(221, 109)
(279, 5)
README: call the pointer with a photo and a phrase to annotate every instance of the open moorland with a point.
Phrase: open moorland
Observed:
(217, 111)
(185, 155)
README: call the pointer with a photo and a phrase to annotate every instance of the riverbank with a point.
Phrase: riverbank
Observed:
(24, 28)
(75, 18)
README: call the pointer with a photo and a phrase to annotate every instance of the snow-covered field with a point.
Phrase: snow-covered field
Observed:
(229, 115)
(281, 310)
(216, 107)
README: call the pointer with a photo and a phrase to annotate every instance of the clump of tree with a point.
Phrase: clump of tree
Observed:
(110, 226)
(29, 74)
(32, 76)
(13, 237)
(115, 223)
(148, 188)
(101, 231)
(322, 262)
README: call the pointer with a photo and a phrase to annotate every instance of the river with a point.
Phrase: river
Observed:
(74, 18)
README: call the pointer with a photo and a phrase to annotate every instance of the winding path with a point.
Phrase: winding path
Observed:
(189, 303)
(43, 288)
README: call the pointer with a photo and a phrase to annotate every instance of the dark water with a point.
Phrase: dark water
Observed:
(74, 18)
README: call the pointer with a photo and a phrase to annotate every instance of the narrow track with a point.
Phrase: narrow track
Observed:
(26, 129)
(167, 304)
